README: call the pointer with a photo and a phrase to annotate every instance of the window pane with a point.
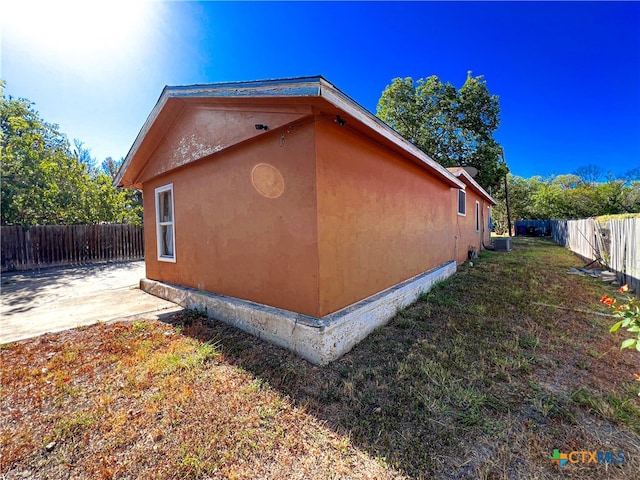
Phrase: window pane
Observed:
(166, 240)
(165, 224)
(166, 215)
(461, 201)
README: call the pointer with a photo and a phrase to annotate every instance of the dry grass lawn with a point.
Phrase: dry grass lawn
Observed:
(483, 377)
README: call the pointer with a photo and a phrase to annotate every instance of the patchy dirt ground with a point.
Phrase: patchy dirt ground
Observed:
(484, 377)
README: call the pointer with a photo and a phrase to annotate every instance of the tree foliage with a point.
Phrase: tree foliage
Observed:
(45, 182)
(565, 197)
(454, 127)
(590, 173)
(111, 167)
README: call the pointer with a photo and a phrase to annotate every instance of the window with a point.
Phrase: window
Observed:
(462, 202)
(490, 223)
(477, 216)
(165, 224)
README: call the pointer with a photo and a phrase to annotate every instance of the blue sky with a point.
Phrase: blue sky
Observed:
(567, 73)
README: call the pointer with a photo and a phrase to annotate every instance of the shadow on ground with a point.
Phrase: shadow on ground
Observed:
(22, 291)
(472, 382)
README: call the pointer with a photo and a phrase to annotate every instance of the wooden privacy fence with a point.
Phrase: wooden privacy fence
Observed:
(614, 243)
(58, 245)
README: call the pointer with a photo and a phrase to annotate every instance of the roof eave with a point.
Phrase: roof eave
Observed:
(474, 185)
(345, 103)
(153, 115)
(315, 86)
(286, 87)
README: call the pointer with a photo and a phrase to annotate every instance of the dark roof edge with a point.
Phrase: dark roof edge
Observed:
(247, 83)
(461, 172)
(346, 103)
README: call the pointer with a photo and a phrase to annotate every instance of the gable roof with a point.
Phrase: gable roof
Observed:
(468, 180)
(316, 90)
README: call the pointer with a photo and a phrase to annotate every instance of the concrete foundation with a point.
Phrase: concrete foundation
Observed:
(318, 340)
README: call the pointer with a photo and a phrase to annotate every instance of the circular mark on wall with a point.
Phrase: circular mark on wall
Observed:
(267, 180)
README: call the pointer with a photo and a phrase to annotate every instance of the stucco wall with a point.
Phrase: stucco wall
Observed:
(353, 219)
(232, 240)
(466, 225)
(202, 130)
(381, 220)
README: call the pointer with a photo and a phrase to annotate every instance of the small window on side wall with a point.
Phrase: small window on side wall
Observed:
(165, 224)
(477, 216)
(462, 202)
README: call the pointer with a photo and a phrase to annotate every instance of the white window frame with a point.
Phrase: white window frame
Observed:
(159, 224)
(464, 203)
(477, 216)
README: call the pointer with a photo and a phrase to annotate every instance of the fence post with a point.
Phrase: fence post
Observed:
(584, 237)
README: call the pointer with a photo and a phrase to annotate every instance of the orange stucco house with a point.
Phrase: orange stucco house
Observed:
(473, 215)
(288, 210)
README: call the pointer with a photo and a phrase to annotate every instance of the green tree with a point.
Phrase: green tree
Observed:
(612, 197)
(632, 175)
(111, 167)
(565, 197)
(631, 200)
(454, 127)
(45, 182)
(590, 174)
(83, 155)
(521, 191)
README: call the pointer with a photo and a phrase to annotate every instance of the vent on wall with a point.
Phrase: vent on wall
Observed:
(502, 244)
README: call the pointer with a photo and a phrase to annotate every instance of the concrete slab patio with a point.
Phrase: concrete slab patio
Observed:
(52, 300)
